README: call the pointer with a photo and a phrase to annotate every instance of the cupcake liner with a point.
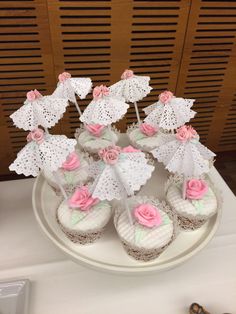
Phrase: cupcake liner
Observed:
(142, 254)
(191, 222)
(81, 237)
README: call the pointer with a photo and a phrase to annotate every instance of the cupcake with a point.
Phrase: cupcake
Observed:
(196, 207)
(152, 231)
(73, 172)
(146, 137)
(94, 137)
(83, 218)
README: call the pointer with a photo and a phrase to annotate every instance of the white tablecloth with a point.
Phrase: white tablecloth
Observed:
(59, 286)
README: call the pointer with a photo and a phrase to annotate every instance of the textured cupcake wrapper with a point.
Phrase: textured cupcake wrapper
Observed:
(81, 237)
(142, 254)
(68, 189)
(190, 222)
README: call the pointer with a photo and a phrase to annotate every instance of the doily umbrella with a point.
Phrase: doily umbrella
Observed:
(42, 152)
(184, 154)
(37, 110)
(104, 109)
(69, 87)
(132, 88)
(169, 112)
(119, 174)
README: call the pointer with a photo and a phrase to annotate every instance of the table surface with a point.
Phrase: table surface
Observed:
(60, 286)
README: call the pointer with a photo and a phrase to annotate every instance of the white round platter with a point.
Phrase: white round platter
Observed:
(107, 254)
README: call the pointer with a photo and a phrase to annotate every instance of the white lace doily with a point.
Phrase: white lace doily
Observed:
(190, 158)
(132, 89)
(49, 155)
(45, 111)
(72, 86)
(104, 111)
(170, 116)
(123, 178)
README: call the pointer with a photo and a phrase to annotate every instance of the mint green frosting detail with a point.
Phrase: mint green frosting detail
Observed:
(69, 177)
(106, 136)
(77, 216)
(199, 204)
(139, 136)
(166, 221)
(140, 233)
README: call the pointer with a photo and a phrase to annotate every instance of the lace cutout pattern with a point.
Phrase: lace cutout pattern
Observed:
(72, 86)
(45, 111)
(49, 155)
(190, 159)
(132, 89)
(170, 116)
(105, 111)
(125, 177)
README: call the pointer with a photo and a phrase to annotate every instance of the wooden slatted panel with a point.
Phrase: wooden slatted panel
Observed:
(228, 137)
(208, 67)
(102, 38)
(81, 40)
(25, 64)
(41, 38)
(158, 29)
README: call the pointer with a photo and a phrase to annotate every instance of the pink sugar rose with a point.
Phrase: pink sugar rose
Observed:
(95, 129)
(110, 154)
(148, 129)
(196, 189)
(130, 149)
(166, 96)
(185, 133)
(127, 74)
(82, 199)
(147, 215)
(33, 94)
(64, 76)
(100, 91)
(72, 162)
(37, 135)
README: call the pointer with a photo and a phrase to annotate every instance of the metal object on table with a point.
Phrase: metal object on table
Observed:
(14, 297)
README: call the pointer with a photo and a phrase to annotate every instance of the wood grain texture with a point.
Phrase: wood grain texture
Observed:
(26, 62)
(184, 45)
(207, 69)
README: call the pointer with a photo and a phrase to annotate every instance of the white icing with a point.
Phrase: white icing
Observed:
(146, 143)
(96, 218)
(94, 144)
(74, 177)
(153, 238)
(208, 204)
